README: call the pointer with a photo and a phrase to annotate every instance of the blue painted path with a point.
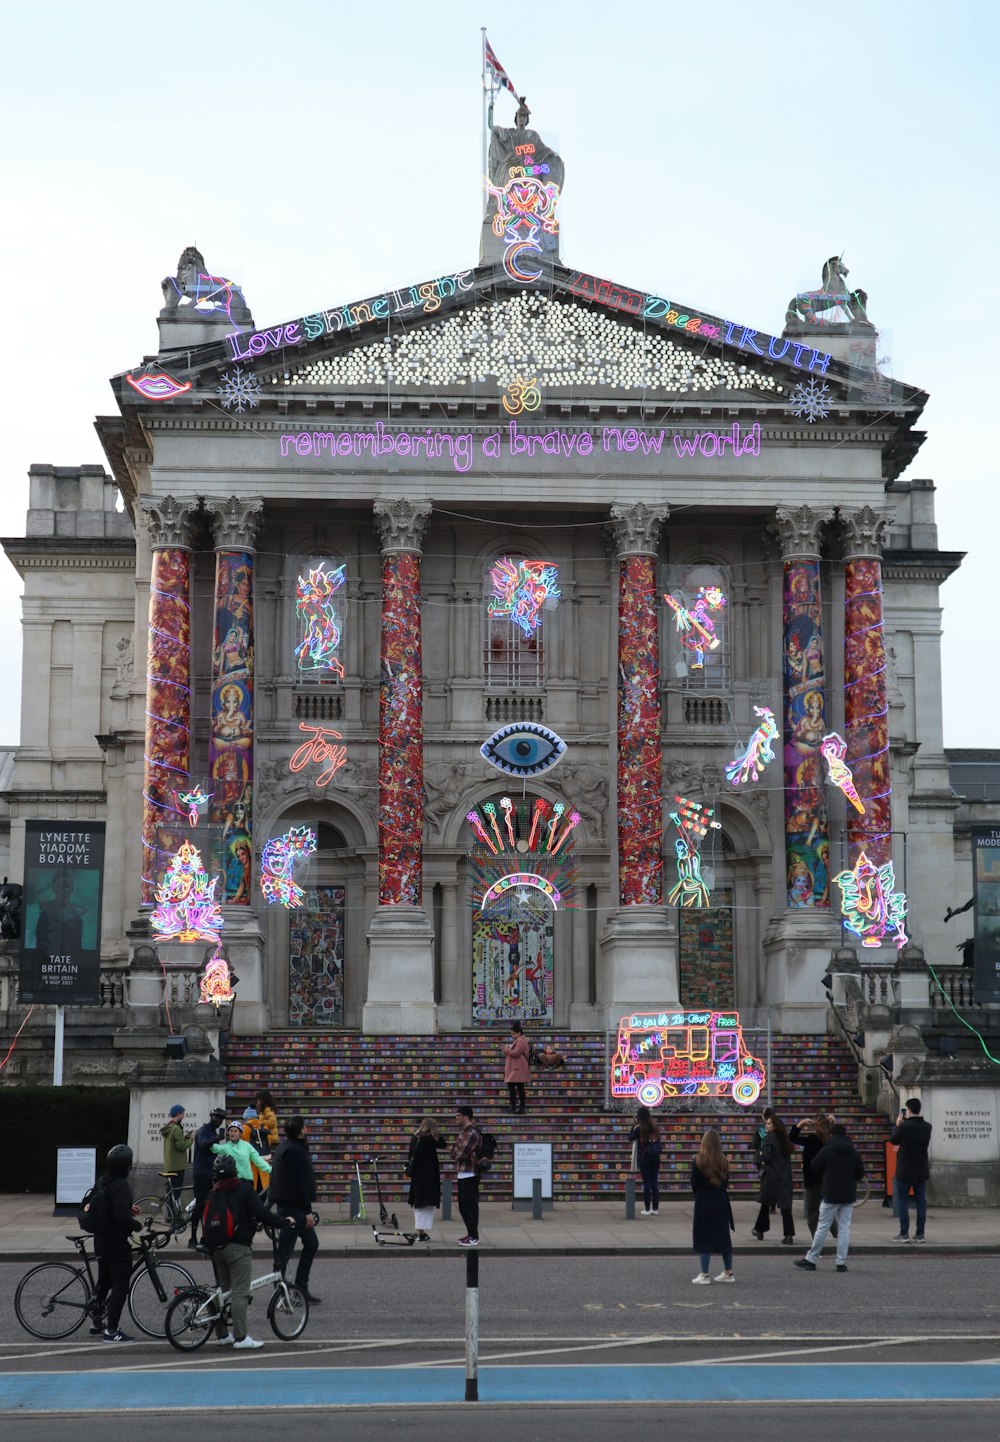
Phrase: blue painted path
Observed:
(401, 1386)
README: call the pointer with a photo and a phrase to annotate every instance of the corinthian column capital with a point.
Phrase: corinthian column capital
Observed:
(798, 531)
(235, 521)
(635, 530)
(864, 531)
(168, 521)
(401, 524)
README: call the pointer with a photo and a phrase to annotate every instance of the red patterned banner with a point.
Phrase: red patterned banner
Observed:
(807, 837)
(866, 712)
(640, 784)
(168, 702)
(400, 735)
(230, 750)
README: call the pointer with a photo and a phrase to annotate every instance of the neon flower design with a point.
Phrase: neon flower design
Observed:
(526, 206)
(834, 748)
(517, 880)
(873, 908)
(157, 385)
(280, 856)
(216, 986)
(520, 589)
(193, 802)
(758, 751)
(314, 605)
(186, 908)
(693, 821)
(694, 625)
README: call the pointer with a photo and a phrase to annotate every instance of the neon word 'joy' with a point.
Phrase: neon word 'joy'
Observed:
(319, 750)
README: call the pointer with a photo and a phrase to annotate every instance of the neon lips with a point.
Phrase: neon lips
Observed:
(157, 386)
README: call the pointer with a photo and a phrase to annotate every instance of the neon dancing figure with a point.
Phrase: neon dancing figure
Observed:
(186, 908)
(751, 761)
(695, 627)
(520, 589)
(314, 604)
(277, 862)
(693, 821)
(193, 802)
(834, 748)
(872, 906)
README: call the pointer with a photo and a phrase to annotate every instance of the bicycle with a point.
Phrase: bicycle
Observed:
(195, 1314)
(165, 1212)
(55, 1298)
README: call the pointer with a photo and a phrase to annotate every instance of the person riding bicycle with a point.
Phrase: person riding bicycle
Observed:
(233, 1260)
(114, 1255)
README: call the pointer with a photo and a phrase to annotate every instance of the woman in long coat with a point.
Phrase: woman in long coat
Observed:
(515, 1067)
(712, 1213)
(424, 1172)
(775, 1181)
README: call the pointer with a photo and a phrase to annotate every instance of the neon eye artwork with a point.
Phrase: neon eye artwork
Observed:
(280, 856)
(216, 986)
(157, 386)
(186, 908)
(192, 802)
(873, 908)
(524, 749)
(314, 594)
(693, 821)
(750, 762)
(834, 748)
(518, 880)
(520, 589)
(695, 627)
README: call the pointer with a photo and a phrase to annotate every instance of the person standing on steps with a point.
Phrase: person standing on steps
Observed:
(293, 1193)
(913, 1168)
(713, 1214)
(466, 1150)
(243, 1154)
(515, 1067)
(775, 1181)
(646, 1135)
(201, 1166)
(839, 1168)
(424, 1172)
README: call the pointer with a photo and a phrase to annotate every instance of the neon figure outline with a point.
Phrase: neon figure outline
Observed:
(871, 905)
(216, 986)
(758, 752)
(526, 206)
(280, 856)
(693, 821)
(193, 802)
(186, 908)
(695, 627)
(834, 748)
(314, 605)
(520, 589)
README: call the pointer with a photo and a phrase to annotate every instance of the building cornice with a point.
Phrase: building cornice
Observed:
(898, 565)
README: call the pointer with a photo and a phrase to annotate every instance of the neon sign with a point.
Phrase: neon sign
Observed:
(186, 908)
(193, 802)
(507, 829)
(157, 385)
(521, 395)
(713, 443)
(521, 589)
(280, 856)
(758, 751)
(526, 206)
(523, 749)
(216, 986)
(684, 1054)
(694, 625)
(834, 748)
(873, 908)
(319, 749)
(518, 880)
(211, 293)
(314, 605)
(693, 821)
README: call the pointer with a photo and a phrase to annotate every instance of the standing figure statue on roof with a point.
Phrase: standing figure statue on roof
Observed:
(524, 183)
(523, 114)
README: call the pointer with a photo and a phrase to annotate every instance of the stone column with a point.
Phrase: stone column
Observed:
(639, 948)
(866, 705)
(400, 937)
(167, 754)
(230, 745)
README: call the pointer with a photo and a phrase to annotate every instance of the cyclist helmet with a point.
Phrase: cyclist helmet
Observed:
(120, 1159)
(224, 1168)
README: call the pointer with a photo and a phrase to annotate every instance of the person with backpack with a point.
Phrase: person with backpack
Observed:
(293, 1191)
(646, 1135)
(111, 1218)
(466, 1151)
(516, 1067)
(243, 1154)
(229, 1221)
(201, 1167)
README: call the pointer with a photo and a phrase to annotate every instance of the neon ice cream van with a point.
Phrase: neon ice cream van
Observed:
(684, 1054)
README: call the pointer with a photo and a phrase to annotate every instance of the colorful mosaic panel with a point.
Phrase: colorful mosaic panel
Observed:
(316, 959)
(168, 703)
(807, 840)
(640, 787)
(512, 964)
(866, 712)
(706, 955)
(231, 740)
(401, 765)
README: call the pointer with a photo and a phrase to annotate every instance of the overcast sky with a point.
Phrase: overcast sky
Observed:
(716, 154)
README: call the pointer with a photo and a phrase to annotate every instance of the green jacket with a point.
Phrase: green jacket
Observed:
(243, 1154)
(175, 1147)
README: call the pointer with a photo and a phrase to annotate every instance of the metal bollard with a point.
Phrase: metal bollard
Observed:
(630, 1199)
(446, 1201)
(472, 1326)
(355, 1200)
(536, 1199)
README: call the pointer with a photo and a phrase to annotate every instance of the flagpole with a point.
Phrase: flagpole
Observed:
(485, 126)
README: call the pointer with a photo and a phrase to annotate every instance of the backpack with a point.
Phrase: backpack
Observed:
(534, 1054)
(218, 1221)
(487, 1152)
(93, 1215)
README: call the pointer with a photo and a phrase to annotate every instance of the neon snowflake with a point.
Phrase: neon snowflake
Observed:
(277, 862)
(217, 984)
(873, 908)
(811, 400)
(750, 762)
(186, 908)
(520, 589)
(239, 389)
(314, 606)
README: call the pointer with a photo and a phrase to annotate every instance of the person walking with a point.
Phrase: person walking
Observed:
(176, 1145)
(775, 1181)
(713, 1214)
(465, 1151)
(293, 1193)
(646, 1135)
(913, 1169)
(234, 1260)
(243, 1154)
(811, 1134)
(839, 1168)
(424, 1171)
(201, 1167)
(111, 1246)
(515, 1067)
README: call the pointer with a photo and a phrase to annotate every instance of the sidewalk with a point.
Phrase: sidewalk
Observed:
(28, 1230)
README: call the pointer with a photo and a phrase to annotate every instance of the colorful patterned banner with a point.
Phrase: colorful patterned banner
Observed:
(640, 785)
(512, 965)
(230, 750)
(316, 959)
(866, 712)
(400, 735)
(168, 702)
(807, 840)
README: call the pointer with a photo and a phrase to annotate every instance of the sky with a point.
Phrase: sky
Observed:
(318, 154)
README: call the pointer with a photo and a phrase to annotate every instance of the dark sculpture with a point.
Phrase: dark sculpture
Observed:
(833, 304)
(10, 910)
(194, 292)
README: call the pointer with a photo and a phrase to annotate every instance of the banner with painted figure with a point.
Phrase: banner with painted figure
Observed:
(231, 738)
(63, 890)
(512, 957)
(807, 837)
(316, 959)
(986, 881)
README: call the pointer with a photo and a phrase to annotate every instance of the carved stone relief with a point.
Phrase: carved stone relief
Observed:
(235, 521)
(401, 524)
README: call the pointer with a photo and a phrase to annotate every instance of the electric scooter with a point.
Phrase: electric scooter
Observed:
(392, 1237)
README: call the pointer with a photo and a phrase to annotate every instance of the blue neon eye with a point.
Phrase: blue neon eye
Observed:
(523, 750)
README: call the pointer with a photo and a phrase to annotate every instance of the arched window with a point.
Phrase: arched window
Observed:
(698, 602)
(319, 589)
(518, 593)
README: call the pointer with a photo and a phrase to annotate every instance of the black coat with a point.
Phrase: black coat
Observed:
(776, 1177)
(839, 1168)
(913, 1137)
(292, 1182)
(424, 1170)
(712, 1214)
(119, 1221)
(811, 1146)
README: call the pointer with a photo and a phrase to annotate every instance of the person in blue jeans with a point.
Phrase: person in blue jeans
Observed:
(839, 1168)
(647, 1134)
(913, 1138)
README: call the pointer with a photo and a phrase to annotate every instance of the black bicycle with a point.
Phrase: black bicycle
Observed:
(165, 1214)
(55, 1298)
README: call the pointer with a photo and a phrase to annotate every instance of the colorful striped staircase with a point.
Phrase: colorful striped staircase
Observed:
(363, 1095)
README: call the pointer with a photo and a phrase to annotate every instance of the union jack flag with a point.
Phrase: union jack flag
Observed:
(498, 75)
